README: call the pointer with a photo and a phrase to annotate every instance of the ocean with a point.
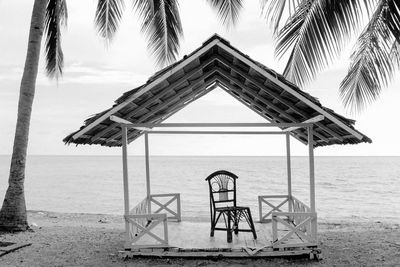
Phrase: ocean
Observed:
(347, 188)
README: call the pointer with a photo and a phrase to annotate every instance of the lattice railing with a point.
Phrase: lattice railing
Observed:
(141, 236)
(300, 232)
(293, 223)
(146, 229)
(148, 226)
(301, 208)
(270, 203)
(169, 203)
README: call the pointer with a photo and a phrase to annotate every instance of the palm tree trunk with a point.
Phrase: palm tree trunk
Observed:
(13, 212)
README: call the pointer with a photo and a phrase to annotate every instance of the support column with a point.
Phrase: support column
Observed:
(146, 151)
(125, 179)
(312, 181)
(311, 163)
(289, 172)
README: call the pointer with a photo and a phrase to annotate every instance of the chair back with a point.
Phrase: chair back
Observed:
(222, 187)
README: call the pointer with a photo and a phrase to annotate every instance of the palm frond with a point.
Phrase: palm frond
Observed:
(108, 16)
(395, 53)
(56, 16)
(374, 61)
(162, 27)
(392, 17)
(316, 33)
(228, 10)
(275, 10)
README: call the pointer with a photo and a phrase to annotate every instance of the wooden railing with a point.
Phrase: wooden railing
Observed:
(301, 208)
(150, 229)
(270, 203)
(164, 202)
(140, 209)
(294, 234)
(143, 236)
(293, 223)
(142, 226)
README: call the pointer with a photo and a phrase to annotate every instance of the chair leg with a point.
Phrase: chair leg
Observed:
(236, 222)
(213, 223)
(253, 230)
(229, 230)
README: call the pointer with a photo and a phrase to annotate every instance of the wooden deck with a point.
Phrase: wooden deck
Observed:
(197, 235)
(192, 239)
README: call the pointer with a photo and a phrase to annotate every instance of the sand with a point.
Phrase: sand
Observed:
(60, 239)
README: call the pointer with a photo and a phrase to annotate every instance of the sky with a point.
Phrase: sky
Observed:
(96, 74)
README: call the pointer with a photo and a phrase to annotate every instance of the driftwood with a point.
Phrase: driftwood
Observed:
(12, 248)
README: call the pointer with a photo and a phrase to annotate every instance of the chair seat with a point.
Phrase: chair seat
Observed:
(231, 208)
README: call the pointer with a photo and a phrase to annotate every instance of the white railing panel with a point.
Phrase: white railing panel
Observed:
(296, 232)
(168, 203)
(271, 203)
(140, 208)
(146, 229)
(300, 207)
(153, 234)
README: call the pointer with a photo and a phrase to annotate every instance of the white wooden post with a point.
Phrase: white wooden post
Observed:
(146, 144)
(125, 179)
(312, 180)
(289, 171)
(311, 162)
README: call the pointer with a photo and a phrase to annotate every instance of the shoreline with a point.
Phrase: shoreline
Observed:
(322, 221)
(76, 239)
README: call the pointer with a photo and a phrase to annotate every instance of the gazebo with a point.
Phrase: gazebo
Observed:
(286, 225)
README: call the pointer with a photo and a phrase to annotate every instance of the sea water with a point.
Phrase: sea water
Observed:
(347, 188)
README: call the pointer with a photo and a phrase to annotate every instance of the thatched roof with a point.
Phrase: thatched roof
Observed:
(217, 63)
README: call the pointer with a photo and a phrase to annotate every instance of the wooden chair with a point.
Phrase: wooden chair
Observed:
(222, 187)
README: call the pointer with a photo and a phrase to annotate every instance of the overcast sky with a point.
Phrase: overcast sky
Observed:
(95, 75)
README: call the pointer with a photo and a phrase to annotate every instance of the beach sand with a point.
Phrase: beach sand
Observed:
(60, 239)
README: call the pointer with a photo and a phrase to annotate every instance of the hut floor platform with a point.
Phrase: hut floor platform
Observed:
(192, 239)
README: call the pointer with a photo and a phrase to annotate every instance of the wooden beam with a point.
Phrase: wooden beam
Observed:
(161, 94)
(312, 120)
(263, 100)
(259, 109)
(290, 90)
(181, 93)
(146, 149)
(263, 114)
(126, 122)
(217, 125)
(289, 171)
(125, 183)
(219, 132)
(280, 124)
(311, 168)
(276, 96)
(312, 183)
(270, 105)
(188, 97)
(149, 86)
(193, 97)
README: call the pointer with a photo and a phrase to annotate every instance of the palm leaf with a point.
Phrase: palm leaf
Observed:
(162, 26)
(108, 16)
(228, 10)
(374, 59)
(395, 53)
(275, 10)
(56, 16)
(392, 17)
(316, 33)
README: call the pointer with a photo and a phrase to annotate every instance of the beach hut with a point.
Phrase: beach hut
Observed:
(285, 225)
